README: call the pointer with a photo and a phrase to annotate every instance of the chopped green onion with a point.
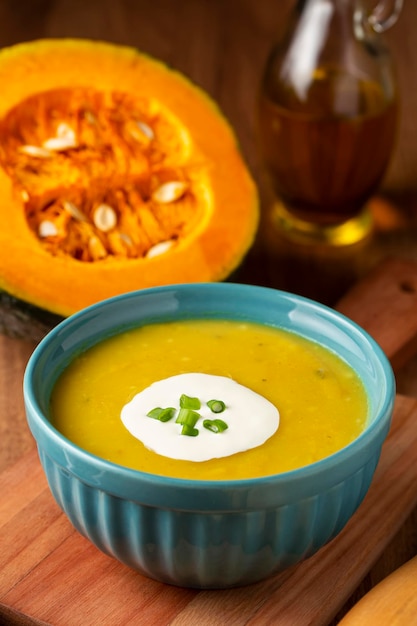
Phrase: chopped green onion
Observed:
(189, 430)
(163, 415)
(188, 417)
(216, 426)
(189, 403)
(216, 406)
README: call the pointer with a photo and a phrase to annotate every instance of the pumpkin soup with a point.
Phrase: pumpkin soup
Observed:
(318, 402)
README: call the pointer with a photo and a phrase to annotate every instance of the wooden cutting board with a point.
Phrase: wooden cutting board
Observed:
(55, 576)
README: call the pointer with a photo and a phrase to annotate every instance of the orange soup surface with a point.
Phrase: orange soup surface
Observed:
(321, 401)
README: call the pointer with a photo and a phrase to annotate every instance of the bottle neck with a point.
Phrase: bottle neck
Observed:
(379, 17)
(328, 38)
(338, 9)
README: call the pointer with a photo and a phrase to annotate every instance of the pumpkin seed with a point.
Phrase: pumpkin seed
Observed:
(140, 131)
(74, 211)
(47, 229)
(126, 239)
(135, 133)
(159, 248)
(24, 195)
(169, 192)
(65, 131)
(36, 151)
(96, 248)
(146, 130)
(105, 218)
(60, 144)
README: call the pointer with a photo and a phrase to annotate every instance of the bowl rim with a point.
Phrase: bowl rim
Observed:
(42, 429)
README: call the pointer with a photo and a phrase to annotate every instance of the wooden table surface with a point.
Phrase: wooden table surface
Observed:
(222, 46)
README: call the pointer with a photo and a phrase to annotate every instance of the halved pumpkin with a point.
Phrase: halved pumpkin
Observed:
(116, 174)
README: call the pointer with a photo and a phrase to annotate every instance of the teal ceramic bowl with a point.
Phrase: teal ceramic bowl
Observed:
(213, 534)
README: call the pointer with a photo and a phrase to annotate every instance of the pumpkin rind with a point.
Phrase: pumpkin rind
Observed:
(210, 251)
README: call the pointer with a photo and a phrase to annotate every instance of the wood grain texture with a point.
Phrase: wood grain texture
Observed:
(385, 303)
(14, 436)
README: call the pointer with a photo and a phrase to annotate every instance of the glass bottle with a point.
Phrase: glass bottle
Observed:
(327, 117)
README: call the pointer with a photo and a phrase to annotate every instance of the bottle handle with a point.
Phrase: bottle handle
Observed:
(382, 18)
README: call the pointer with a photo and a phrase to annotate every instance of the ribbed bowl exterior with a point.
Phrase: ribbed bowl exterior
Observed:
(208, 534)
(206, 549)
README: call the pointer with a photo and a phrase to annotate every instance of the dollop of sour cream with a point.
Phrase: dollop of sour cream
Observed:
(251, 419)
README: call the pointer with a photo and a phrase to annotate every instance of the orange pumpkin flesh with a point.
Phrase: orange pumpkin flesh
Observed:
(116, 174)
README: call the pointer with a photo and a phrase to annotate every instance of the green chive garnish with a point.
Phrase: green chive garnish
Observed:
(189, 403)
(187, 416)
(188, 419)
(163, 415)
(216, 406)
(216, 426)
(189, 430)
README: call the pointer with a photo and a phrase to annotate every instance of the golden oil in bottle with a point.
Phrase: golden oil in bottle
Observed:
(326, 154)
